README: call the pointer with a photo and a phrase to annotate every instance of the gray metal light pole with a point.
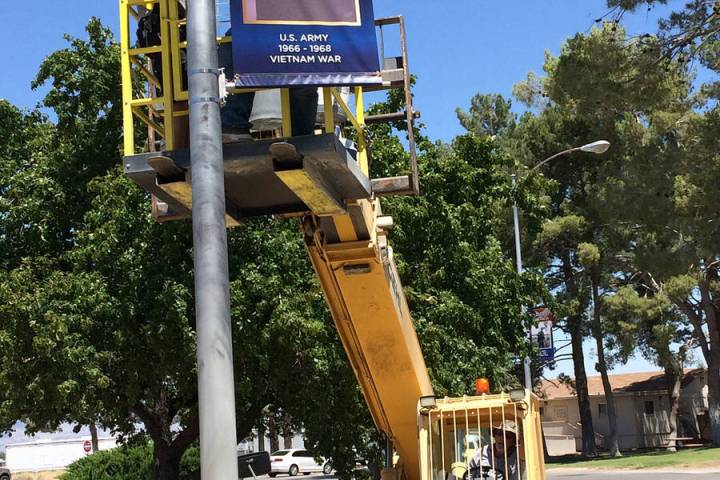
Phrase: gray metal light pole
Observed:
(519, 266)
(216, 386)
(601, 146)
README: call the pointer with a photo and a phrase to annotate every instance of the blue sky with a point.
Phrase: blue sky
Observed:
(457, 48)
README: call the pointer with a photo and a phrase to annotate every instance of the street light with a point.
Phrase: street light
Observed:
(598, 147)
(601, 146)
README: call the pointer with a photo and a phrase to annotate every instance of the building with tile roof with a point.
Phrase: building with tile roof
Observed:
(642, 404)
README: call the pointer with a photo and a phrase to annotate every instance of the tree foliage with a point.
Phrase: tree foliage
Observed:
(96, 299)
(489, 115)
(602, 85)
(640, 218)
(690, 32)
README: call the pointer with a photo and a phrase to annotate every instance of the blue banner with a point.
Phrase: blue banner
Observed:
(282, 43)
(547, 354)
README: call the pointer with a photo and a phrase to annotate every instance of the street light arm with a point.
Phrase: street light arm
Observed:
(598, 147)
(552, 157)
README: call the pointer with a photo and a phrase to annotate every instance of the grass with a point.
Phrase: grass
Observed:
(48, 475)
(697, 457)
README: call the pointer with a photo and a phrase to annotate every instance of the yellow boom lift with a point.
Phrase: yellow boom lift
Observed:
(330, 189)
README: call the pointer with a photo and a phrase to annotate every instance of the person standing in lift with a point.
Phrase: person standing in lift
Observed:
(235, 114)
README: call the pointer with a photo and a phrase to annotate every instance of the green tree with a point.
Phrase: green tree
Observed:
(603, 85)
(489, 115)
(464, 293)
(691, 31)
(96, 298)
(647, 320)
(679, 250)
(26, 193)
(646, 204)
(43, 187)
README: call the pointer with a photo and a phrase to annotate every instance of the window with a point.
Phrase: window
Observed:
(279, 453)
(602, 408)
(302, 453)
(560, 413)
(542, 411)
(649, 407)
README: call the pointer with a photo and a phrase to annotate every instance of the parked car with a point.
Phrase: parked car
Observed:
(294, 461)
(4, 473)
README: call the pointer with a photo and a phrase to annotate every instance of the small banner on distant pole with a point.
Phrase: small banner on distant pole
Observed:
(282, 43)
(542, 334)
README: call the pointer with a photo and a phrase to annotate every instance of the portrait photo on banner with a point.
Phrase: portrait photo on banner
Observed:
(302, 12)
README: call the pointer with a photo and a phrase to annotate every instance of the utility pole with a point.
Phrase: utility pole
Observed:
(597, 147)
(216, 386)
(518, 264)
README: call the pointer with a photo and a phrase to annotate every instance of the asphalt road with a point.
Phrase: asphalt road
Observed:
(612, 475)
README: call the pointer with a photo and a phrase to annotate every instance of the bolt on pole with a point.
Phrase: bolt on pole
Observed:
(216, 387)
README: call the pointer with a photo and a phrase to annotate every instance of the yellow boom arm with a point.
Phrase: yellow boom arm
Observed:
(361, 284)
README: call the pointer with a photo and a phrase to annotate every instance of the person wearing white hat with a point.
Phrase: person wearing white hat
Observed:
(499, 459)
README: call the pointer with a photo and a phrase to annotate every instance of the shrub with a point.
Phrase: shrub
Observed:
(122, 463)
(125, 463)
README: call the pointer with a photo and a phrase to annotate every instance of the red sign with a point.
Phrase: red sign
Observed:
(87, 446)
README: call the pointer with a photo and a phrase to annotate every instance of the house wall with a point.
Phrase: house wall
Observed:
(565, 412)
(654, 428)
(636, 429)
(627, 425)
(49, 454)
(252, 444)
(694, 396)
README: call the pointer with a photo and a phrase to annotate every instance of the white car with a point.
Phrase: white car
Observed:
(294, 461)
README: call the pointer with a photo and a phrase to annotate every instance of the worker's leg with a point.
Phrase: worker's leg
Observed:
(235, 114)
(303, 110)
(235, 117)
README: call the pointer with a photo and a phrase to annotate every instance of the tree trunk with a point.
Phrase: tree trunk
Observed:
(714, 395)
(168, 447)
(261, 441)
(588, 432)
(287, 438)
(94, 437)
(166, 464)
(576, 339)
(273, 434)
(674, 381)
(612, 439)
(712, 318)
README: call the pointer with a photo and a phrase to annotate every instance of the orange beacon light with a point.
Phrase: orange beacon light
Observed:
(482, 386)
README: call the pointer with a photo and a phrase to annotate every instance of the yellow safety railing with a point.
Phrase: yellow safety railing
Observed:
(156, 105)
(461, 437)
(153, 109)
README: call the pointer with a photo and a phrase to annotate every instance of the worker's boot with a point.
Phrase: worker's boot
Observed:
(236, 137)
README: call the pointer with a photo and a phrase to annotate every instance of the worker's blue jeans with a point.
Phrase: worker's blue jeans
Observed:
(235, 115)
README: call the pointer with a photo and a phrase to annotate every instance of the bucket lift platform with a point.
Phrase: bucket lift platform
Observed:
(327, 176)
(317, 173)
